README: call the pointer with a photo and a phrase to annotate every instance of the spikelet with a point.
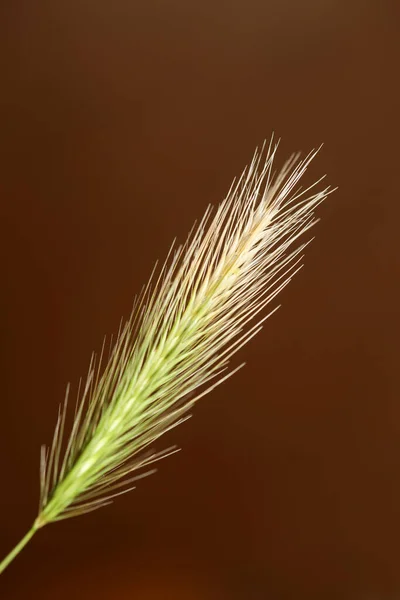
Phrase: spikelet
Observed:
(176, 347)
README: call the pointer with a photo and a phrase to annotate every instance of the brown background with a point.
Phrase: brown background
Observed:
(120, 122)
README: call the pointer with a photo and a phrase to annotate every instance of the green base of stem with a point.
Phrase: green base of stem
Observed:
(15, 551)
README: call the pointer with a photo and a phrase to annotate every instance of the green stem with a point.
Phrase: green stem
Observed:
(15, 551)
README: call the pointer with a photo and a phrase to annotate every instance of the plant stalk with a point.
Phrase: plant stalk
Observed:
(17, 549)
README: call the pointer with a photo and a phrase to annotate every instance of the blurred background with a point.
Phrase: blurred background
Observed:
(120, 122)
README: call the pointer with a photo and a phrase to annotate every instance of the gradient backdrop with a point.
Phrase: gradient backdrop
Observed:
(120, 122)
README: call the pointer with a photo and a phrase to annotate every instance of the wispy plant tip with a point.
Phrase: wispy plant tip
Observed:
(198, 309)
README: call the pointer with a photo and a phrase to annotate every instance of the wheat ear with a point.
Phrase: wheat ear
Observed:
(198, 309)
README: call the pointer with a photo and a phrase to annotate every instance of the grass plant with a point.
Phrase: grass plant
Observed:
(199, 308)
